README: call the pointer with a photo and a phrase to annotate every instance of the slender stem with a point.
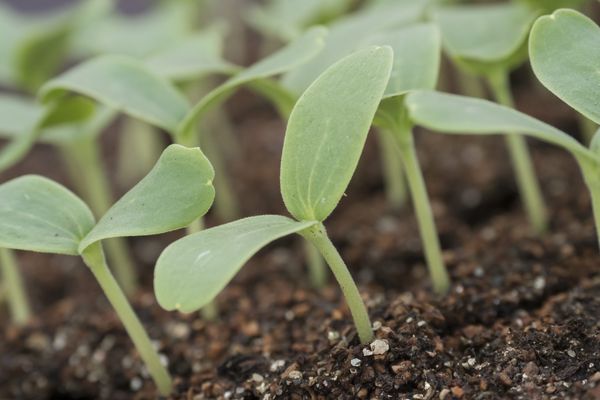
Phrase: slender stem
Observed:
(527, 181)
(316, 266)
(317, 235)
(15, 288)
(591, 174)
(140, 145)
(422, 206)
(469, 85)
(83, 162)
(94, 258)
(395, 187)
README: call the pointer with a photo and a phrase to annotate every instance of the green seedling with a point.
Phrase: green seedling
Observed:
(565, 53)
(454, 114)
(489, 41)
(324, 139)
(416, 66)
(40, 215)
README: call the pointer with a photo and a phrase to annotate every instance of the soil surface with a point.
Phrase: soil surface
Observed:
(521, 320)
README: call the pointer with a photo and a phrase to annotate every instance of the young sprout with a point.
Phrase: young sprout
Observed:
(416, 66)
(324, 139)
(565, 54)
(489, 41)
(453, 114)
(40, 215)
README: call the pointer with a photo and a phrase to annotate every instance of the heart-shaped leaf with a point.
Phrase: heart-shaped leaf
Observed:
(193, 270)
(291, 56)
(565, 55)
(126, 85)
(40, 215)
(327, 131)
(178, 190)
(465, 115)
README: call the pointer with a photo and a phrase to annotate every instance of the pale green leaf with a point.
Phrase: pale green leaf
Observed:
(178, 190)
(455, 114)
(416, 57)
(18, 114)
(486, 33)
(194, 57)
(291, 56)
(193, 270)
(565, 55)
(346, 35)
(40, 215)
(126, 85)
(327, 131)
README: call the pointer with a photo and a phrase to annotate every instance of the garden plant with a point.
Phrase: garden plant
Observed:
(239, 133)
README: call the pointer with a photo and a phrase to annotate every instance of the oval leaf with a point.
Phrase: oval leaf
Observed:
(489, 33)
(193, 270)
(465, 115)
(565, 55)
(294, 54)
(327, 131)
(178, 190)
(125, 84)
(40, 215)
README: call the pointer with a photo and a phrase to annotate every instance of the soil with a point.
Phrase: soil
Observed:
(520, 322)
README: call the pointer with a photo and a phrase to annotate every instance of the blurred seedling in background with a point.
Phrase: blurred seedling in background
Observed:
(416, 66)
(40, 215)
(489, 41)
(324, 139)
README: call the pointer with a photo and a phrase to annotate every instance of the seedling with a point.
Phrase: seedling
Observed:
(40, 215)
(454, 114)
(324, 139)
(416, 66)
(489, 41)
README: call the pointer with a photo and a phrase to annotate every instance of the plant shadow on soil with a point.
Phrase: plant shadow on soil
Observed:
(521, 320)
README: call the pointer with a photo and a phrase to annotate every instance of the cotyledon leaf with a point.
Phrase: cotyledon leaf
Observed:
(327, 131)
(193, 270)
(126, 84)
(178, 190)
(291, 56)
(565, 55)
(455, 114)
(40, 215)
(488, 33)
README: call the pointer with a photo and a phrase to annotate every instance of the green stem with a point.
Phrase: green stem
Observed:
(83, 161)
(15, 288)
(317, 235)
(527, 181)
(94, 258)
(316, 266)
(591, 174)
(395, 187)
(469, 85)
(422, 206)
(140, 146)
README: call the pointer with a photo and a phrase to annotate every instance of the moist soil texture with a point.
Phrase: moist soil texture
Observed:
(521, 320)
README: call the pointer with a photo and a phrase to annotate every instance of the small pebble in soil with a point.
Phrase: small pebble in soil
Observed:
(379, 346)
(355, 362)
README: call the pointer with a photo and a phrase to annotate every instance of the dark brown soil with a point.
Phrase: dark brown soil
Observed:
(521, 320)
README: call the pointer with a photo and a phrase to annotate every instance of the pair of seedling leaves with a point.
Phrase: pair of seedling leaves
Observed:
(40, 215)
